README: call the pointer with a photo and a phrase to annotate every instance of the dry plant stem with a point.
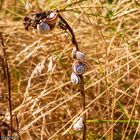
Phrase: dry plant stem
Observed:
(110, 134)
(3, 68)
(71, 31)
(83, 105)
(1, 3)
(81, 76)
(14, 115)
(8, 80)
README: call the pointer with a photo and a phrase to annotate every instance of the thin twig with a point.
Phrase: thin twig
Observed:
(1, 3)
(83, 105)
(3, 68)
(8, 81)
(14, 115)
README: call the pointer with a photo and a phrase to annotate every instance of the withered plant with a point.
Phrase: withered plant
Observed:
(45, 21)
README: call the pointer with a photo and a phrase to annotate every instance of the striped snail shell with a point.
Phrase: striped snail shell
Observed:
(43, 28)
(52, 18)
(80, 56)
(78, 124)
(75, 79)
(79, 68)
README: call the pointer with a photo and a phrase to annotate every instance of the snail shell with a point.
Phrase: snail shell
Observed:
(52, 18)
(75, 79)
(79, 68)
(43, 28)
(78, 125)
(80, 56)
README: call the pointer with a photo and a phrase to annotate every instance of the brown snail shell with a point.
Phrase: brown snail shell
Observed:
(51, 18)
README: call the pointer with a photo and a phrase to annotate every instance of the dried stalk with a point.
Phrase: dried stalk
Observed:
(29, 22)
(3, 68)
(1, 3)
(81, 76)
(71, 31)
(17, 131)
(8, 82)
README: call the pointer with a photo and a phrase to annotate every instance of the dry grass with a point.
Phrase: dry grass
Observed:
(43, 97)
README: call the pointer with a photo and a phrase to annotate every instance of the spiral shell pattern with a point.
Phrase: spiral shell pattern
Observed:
(79, 68)
(75, 79)
(43, 28)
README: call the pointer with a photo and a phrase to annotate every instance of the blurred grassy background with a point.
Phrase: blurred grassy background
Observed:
(44, 99)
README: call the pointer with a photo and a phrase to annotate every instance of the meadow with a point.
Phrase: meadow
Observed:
(42, 98)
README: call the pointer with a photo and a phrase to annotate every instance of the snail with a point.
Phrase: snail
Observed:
(51, 19)
(75, 79)
(38, 20)
(78, 124)
(79, 67)
(80, 56)
(43, 28)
